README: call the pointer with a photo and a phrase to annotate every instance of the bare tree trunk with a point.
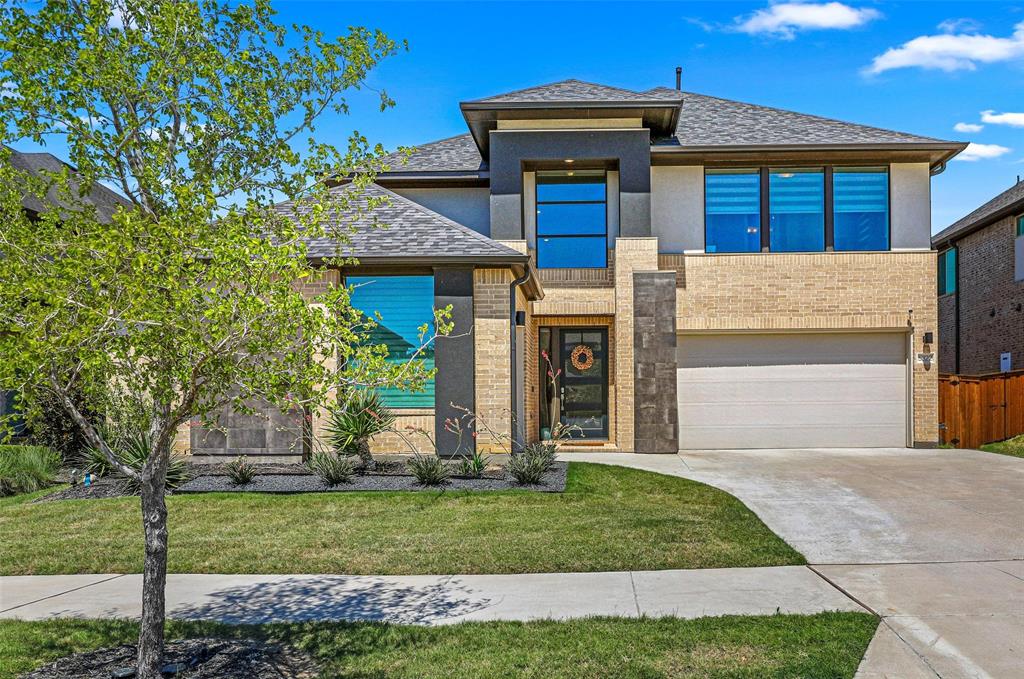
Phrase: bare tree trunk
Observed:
(154, 572)
(363, 451)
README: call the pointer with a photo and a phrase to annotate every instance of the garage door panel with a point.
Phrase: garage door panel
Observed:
(832, 391)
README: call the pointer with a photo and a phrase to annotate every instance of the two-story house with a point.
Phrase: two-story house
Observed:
(699, 272)
(981, 288)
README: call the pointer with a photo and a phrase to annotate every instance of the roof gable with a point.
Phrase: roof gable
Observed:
(106, 201)
(1006, 203)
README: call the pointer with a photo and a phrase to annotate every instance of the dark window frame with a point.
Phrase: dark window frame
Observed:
(828, 204)
(941, 279)
(536, 221)
(1018, 222)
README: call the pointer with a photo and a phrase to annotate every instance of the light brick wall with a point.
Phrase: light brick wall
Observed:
(406, 437)
(491, 330)
(817, 291)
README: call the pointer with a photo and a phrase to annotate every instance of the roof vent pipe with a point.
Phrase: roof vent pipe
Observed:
(679, 78)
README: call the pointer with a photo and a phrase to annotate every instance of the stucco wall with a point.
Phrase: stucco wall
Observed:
(469, 206)
(677, 207)
(911, 204)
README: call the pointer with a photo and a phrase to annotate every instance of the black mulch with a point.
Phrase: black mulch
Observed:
(553, 482)
(193, 658)
(103, 488)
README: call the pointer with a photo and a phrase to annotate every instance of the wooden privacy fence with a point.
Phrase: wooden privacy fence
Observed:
(974, 410)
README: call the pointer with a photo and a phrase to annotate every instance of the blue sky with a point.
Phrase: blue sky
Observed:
(920, 67)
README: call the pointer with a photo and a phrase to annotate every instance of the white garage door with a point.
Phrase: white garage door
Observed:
(792, 390)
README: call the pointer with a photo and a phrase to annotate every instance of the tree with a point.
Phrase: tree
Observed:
(188, 299)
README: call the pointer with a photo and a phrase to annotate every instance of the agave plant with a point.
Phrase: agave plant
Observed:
(354, 421)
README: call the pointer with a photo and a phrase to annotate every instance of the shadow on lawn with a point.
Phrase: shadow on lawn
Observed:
(336, 598)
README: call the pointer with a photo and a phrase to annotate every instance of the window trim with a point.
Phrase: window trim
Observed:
(1018, 223)
(536, 222)
(941, 269)
(828, 204)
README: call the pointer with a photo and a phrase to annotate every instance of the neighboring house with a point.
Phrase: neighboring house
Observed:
(704, 273)
(981, 288)
(105, 200)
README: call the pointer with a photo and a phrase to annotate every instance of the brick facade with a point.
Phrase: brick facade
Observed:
(991, 303)
(818, 291)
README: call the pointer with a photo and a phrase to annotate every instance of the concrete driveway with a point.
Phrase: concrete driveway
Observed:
(930, 540)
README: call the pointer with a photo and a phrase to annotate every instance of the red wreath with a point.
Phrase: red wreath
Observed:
(582, 357)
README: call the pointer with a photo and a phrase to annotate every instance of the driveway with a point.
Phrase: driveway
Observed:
(930, 540)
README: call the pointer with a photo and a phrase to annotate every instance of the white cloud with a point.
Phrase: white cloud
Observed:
(968, 127)
(784, 19)
(951, 52)
(960, 25)
(975, 152)
(1011, 119)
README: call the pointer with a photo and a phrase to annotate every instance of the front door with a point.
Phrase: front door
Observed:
(577, 391)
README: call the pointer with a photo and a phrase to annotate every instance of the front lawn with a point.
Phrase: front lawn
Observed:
(823, 645)
(608, 519)
(1013, 447)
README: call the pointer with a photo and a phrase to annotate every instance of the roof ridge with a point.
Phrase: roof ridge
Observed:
(806, 115)
(551, 84)
(460, 227)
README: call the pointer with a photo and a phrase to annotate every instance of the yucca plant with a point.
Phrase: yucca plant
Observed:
(429, 470)
(133, 450)
(240, 471)
(354, 421)
(333, 469)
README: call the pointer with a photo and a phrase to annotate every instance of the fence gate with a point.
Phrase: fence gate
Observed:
(974, 410)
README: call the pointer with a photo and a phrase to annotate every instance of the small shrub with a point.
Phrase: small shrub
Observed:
(331, 468)
(26, 469)
(526, 469)
(473, 465)
(429, 470)
(544, 453)
(240, 471)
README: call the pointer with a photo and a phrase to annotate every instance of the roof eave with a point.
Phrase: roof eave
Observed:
(939, 152)
(948, 237)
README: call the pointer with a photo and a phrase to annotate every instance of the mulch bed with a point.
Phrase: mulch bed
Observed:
(102, 488)
(193, 658)
(553, 482)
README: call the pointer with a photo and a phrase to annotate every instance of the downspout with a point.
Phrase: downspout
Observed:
(517, 443)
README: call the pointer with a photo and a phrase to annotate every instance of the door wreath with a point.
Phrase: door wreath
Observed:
(582, 357)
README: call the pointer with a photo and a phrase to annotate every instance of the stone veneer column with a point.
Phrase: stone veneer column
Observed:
(631, 254)
(654, 346)
(453, 356)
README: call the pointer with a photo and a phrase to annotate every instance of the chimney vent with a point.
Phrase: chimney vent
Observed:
(679, 78)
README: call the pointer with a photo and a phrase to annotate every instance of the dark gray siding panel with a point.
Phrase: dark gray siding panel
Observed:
(454, 357)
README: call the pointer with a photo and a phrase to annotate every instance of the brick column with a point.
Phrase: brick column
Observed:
(491, 367)
(631, 254)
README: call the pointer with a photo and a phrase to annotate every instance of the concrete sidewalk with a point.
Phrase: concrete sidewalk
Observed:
(431, 600)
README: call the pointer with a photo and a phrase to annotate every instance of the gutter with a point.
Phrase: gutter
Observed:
(516, 434)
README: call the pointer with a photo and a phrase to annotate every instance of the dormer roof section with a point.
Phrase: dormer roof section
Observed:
(601, 105)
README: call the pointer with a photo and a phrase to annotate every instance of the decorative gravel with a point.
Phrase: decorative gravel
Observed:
(554, 482)
(100, 489)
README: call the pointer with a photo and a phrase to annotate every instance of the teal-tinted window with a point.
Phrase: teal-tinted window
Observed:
(796, 200)
(572, 222)
(404, 303)
(732, 211)
(947, 271)
(1020, 225)
(861, 208)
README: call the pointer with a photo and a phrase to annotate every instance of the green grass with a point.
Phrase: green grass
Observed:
(819, 646)
(1013, 447)
(609, 519)
(25, 469)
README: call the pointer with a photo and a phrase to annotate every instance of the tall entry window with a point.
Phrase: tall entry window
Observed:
(399, 306)
(733, 210)
(572, 219)
(861, 208)
(796, 199)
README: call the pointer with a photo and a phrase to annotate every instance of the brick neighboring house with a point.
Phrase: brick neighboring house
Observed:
(706, 273)
(981, 287)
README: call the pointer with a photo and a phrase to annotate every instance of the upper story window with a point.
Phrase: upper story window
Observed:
(796, 209)
(1020, 225)
(572, 219)
(947, 271)
(861, 208)
(399, 306)
(732, 200)
(796, 205)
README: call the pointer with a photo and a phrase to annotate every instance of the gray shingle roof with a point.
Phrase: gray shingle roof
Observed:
(401, 229)
(453, 154)
(712, 121)
(578, 90)
(704, 122)
(1005, 203)
(105, 200)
